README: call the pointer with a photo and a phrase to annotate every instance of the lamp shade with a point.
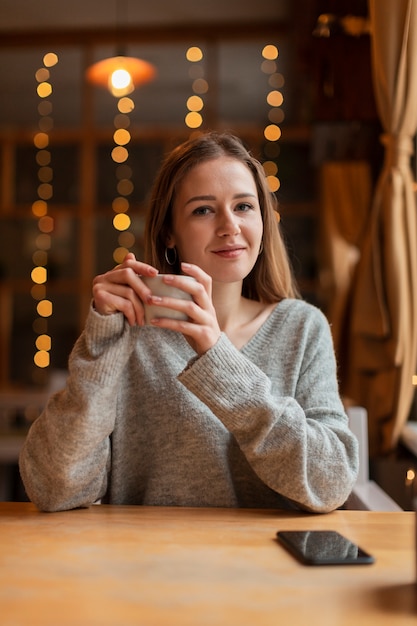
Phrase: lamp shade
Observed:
(120, 74)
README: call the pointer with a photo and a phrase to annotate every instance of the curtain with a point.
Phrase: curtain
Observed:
(383, 332)
(345, 201)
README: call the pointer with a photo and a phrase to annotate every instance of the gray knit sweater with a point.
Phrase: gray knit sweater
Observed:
(143, 421)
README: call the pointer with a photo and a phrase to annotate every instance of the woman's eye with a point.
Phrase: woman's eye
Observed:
(244, 206)
(201, 210)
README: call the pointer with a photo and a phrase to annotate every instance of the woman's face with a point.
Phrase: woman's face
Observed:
(216, 219)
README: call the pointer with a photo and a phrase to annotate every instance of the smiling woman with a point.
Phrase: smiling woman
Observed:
(232, 406)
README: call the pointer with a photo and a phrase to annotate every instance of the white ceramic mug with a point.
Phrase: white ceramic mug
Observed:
(159, 288)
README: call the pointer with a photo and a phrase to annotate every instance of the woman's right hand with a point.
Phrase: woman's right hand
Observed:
(121, 290)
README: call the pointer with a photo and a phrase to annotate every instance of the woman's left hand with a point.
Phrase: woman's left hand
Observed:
(201, 329)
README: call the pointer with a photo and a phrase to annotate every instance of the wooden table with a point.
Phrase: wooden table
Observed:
(122, 566)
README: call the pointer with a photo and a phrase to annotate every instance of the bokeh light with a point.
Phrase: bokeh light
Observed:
(274, 99)
(39, 273)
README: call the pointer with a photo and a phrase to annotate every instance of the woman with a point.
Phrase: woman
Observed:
(238, 404)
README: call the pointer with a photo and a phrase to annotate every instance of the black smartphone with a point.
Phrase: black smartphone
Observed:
(323, 547)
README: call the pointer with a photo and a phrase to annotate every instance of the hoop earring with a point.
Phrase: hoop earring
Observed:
(173, 259)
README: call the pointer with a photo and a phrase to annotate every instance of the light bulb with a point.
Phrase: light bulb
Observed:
(121, 82)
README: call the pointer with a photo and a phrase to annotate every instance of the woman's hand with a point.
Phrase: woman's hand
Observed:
(201, 330)
(121, 290)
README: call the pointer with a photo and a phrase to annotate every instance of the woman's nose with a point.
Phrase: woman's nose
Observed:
(228, 224)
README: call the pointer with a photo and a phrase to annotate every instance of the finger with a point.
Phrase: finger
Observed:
(125, 276)
(138, 267)
(200, 276)
(113, 297)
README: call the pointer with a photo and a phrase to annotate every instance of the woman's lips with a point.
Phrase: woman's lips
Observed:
(229, 253)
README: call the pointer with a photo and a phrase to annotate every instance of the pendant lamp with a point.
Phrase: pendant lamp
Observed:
(121, 74)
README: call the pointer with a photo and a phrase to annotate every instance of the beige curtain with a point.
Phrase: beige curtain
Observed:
(383, 335)
(345, 201)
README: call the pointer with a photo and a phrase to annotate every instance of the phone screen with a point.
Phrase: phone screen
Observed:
(323, 547)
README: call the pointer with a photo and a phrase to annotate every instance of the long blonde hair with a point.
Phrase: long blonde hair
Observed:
(271, 278)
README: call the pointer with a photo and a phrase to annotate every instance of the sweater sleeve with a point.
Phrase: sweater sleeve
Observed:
(299, 444)
(65, 460)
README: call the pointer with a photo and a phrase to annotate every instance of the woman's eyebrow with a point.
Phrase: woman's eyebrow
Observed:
(198, 198)
(236, 196)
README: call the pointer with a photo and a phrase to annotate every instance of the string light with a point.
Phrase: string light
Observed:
(39, 273)
(125, 187)
(195, 103)
(274, 99)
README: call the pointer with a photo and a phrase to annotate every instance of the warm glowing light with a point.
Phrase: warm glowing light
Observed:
(126, 239)
(275, 98)
(119, 254)
(46, 224)
(270, 52)
(123, 171)
(194, 54)
(44, 308)
(193, 119)
(200, 86)
(120, 205)
(119, 154)
(39, 275)
(195, 103)
(121, 221)
(121, 136)
(42, 75)
(50, 59)
(121, 82)
(42, 358)
(121, 74)
(125, 105)
(43, 342)
(276, 81)
(45, 174)
(125, 187)
(45, 107)
(411, 475)
(39, 208)
(273, 183)
(414, 379)
(270, 168)
(45, 191)
(268, 67)
(272, 132)
(43, 241)
(44, 90)
(43, 157)
(41, 140)
(40, 257)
